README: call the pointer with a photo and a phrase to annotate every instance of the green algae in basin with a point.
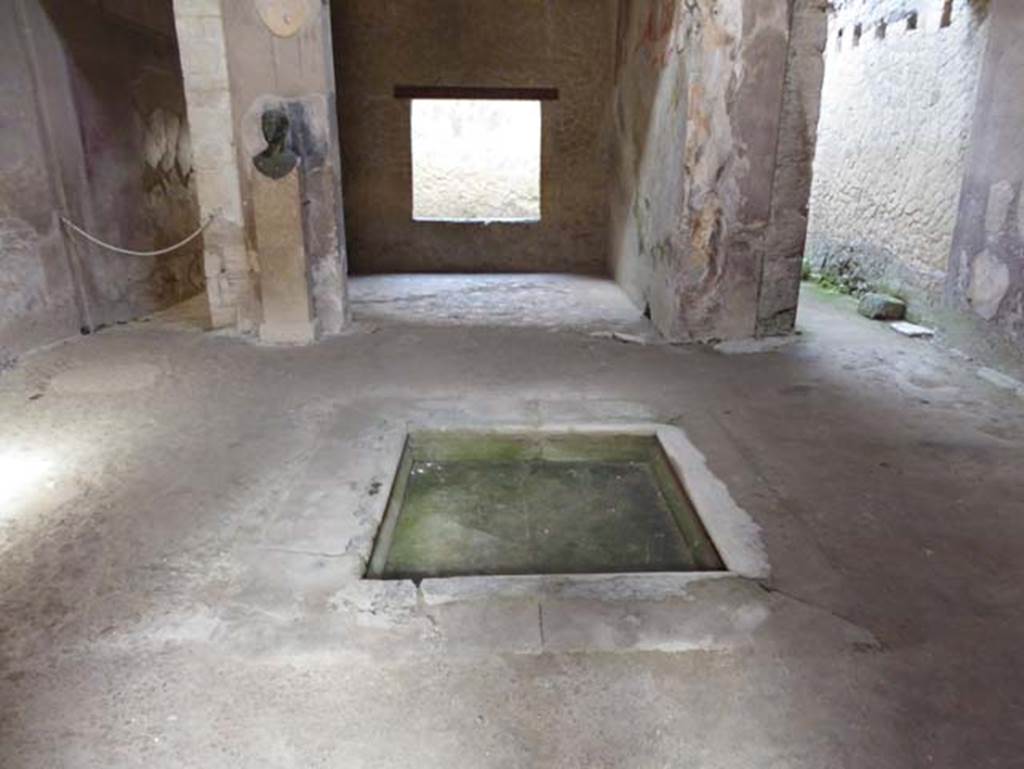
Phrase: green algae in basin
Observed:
(484, 504)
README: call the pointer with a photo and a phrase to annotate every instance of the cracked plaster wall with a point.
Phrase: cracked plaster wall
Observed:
(716, 102)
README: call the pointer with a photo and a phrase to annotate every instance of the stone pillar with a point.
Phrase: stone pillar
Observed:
(986, 270)
(736, 80)
(717, 107)
(229, 277)
(284, 273)
(794, 158)
(280, 56)
(240, 59)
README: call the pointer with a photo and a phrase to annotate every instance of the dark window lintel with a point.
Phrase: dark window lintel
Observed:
(475, 92)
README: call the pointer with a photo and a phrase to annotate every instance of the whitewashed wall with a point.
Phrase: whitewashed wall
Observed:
(893, 141)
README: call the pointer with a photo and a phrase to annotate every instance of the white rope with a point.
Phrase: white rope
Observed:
(128, 251)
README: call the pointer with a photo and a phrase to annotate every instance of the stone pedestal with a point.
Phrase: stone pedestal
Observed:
(288, 316)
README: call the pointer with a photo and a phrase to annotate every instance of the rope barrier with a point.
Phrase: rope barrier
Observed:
(129, 252)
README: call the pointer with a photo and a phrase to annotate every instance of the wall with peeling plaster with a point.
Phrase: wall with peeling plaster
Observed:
(566, 44)
(37, 297)
(986, 269)
(893, 143)
(136, 146)
(97, 91)
(647, 213)
(714, 131)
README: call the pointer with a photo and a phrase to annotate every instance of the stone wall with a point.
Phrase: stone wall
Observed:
(98, 132)
(567, 45)
(716, 101)
(900, 89)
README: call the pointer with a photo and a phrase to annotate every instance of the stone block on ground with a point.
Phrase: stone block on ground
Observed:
(882, 307)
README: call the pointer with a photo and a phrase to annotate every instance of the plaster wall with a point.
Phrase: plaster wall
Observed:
(893, 142)
(711, 102)
(97, 132)
(650, 137)
(136, 146)
(37, 293)
(987, 263)
(567, 45)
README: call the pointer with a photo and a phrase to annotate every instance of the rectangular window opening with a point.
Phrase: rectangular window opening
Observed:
(476, 160)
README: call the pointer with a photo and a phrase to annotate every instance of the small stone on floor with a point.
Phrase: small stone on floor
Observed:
(882, 307)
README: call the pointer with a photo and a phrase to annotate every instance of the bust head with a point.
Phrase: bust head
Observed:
(278, 159)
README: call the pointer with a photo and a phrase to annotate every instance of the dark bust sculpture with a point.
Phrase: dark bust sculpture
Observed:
(278, 159)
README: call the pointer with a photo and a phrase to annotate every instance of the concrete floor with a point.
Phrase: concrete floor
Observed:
(556, 302)
(182, 517)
